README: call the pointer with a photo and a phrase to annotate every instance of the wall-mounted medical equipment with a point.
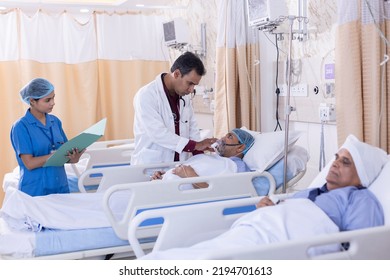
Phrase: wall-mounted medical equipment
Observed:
(328, 74)
(177, 36)
(176, 33)
(327, 112)
(265, 12)
(269, 15)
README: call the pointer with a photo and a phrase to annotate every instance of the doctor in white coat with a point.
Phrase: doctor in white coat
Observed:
(165, 128)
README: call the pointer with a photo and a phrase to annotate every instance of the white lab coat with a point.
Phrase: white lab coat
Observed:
(154, 128)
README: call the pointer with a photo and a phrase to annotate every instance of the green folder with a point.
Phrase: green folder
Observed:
(81, 141)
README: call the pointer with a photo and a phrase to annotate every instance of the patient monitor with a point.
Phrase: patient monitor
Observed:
(265, 12)
(176, 32)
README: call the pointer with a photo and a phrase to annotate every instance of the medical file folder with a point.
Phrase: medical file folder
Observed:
(81, 141)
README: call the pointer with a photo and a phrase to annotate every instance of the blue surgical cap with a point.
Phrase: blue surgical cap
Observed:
(36, 89)
(244, 137)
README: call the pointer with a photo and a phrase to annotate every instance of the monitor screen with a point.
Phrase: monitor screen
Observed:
(169, 31)
(257, 10)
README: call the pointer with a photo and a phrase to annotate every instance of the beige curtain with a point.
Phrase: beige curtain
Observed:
(237, 77)
(362, 98)
(94, 76)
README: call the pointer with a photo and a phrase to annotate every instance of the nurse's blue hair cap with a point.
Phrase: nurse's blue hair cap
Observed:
(244, 137)
(36, 89)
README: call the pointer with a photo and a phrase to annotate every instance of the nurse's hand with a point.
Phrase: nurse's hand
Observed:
(205, 145)
(74, 155)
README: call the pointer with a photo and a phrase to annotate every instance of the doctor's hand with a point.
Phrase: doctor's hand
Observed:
(74, 155)
(205, 145)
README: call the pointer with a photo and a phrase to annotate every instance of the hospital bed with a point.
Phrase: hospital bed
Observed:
(101, 154)
(112, 239)
(153, 195)
(108, 176)
(201, 222)
(266, 154)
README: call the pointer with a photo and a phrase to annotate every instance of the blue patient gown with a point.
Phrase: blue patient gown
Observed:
(30, 136)
(344, 207)
(241, 165)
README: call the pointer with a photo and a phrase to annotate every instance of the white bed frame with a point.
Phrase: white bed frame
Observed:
(109, 176)
(155, 194)
(111, 153)
(203, 222)
(105, 153)
(99, 154)
(208, 222)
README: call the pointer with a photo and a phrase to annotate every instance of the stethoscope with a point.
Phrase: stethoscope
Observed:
(175, 118)
(184, 102)
(51, 139)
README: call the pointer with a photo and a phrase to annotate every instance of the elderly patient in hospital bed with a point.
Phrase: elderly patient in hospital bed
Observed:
(242, 150)
(343, 203)
(228, 159)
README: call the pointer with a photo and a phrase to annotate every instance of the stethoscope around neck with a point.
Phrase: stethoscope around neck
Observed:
(184, 102)
(175, 118)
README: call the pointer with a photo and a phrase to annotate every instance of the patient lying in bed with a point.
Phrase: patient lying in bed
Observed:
(228, 159)
(342, 203)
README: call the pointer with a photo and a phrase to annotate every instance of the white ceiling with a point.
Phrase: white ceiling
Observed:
(76, 5)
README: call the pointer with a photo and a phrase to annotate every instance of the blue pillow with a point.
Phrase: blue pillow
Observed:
(261, 184)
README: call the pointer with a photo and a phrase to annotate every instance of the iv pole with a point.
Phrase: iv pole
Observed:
(288, 108)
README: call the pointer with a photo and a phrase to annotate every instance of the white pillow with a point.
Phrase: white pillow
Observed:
(268, 148)
(320, 179)
(380, 187)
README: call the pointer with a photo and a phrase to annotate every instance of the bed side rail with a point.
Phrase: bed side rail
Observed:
(111, 143)
(364, 244)
(104, 157)
(109, 176)
(186, 226)
(154, 194)
(191, 224)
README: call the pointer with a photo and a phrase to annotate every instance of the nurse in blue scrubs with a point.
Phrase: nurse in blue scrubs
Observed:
(35, 136)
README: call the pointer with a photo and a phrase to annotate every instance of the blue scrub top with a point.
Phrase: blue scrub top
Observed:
(30, 136)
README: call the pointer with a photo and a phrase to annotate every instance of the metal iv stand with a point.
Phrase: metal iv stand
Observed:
(288, 107)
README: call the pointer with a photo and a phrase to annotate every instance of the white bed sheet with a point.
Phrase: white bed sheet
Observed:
(296, 166)
(370, 243)
(27, 216)
(296, 219)
(71, 221)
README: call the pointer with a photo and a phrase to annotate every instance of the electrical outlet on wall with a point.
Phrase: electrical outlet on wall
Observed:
(327, 112)
(296, 90)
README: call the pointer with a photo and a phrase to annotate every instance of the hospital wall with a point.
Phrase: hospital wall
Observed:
(309, 59)
(310, 55)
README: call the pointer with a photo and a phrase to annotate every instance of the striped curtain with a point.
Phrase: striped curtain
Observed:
(237, 97)
(96, 64)
(362, 80)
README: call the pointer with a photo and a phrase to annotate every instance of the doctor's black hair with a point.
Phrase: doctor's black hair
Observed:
(187, 62)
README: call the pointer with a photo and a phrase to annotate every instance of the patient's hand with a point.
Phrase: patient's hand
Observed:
(265, 201)
(157, 175)
(184, 171)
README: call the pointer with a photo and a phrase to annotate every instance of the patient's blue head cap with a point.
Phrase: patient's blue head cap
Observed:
(36, 89)
(244, 137)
